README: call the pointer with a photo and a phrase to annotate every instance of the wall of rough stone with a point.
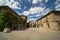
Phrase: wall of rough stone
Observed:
(51, 21)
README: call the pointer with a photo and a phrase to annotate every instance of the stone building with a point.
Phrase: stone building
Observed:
(31, 24)
(50, 21)
(17, 21)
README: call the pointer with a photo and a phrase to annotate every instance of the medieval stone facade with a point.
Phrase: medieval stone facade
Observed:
(16, 21)
(50, 21)
(31, 24)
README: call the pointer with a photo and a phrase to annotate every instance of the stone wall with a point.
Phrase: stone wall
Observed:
(31, 24)
(54, 25)
(51, 21)
(39, 24)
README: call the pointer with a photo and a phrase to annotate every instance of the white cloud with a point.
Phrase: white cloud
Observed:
(46, 11)
(58, 9)
(18, 13)
(11, 0)
(36, 1)
(24, 7)
(34, 10)
(57, 6)
(26, 13)
(29, 0)
(38, 15)
(30, 16)
(46, 0)
(33, 19)
(39, 11)
(2, 2)
(42, 4)
(13, 4)
(57, 3)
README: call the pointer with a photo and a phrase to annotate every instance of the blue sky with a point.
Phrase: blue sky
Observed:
(33, 9)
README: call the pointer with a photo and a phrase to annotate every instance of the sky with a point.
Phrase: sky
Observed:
(33, 9)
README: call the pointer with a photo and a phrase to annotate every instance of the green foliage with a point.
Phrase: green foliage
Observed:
(19, 21)
(24, 22)
(3, 19)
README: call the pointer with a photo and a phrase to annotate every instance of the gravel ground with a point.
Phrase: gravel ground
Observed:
(31, 34)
